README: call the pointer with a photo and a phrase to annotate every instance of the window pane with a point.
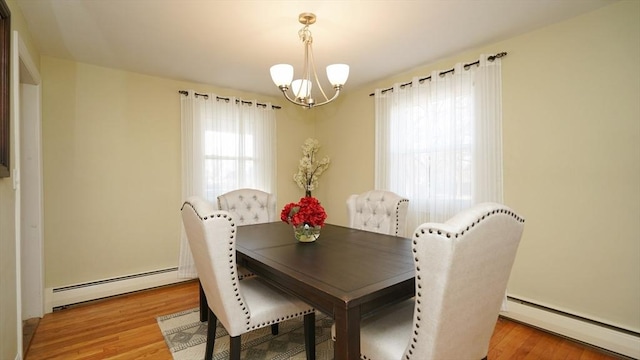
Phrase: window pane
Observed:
(221, 175)
(223, 144)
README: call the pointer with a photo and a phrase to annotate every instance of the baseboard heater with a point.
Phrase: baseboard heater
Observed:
(60, 297)
(609, 337)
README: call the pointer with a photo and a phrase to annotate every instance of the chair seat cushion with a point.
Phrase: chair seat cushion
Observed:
(243, 272)
(391, 330)
(268, 305)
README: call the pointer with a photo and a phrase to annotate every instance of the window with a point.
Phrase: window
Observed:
(227, 144)
(439, 145)
(229, 158)
(438, 142)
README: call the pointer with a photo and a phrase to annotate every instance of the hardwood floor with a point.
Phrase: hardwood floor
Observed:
(124, 327)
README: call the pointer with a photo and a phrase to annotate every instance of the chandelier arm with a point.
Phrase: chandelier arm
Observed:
(338, 88)
(305, 71)
(307, 68)
(286, 95)
(315, 73)
(320, 87)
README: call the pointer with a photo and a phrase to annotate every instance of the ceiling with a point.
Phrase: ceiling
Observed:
(232, 44)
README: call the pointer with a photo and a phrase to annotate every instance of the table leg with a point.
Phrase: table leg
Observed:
(347, 344)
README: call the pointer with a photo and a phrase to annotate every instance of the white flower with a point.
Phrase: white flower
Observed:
(309, 169)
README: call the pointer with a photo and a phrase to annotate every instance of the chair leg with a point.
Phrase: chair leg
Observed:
(235, 347)
(274, 329)
(204, 306)
(310, 335)
(211, 335)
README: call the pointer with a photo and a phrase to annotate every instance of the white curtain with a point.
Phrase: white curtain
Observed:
(227, 144)
(439, 141)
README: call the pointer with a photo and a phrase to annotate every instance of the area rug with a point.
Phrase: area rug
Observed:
(186, 338)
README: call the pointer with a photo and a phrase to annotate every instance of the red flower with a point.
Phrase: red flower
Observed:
(307, 211)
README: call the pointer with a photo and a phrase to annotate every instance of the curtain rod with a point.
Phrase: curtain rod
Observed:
(466, 67)
(238, 101)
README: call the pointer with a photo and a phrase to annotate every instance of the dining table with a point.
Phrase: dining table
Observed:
(346, 273)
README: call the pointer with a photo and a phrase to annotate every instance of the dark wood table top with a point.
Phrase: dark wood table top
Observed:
(346, 273)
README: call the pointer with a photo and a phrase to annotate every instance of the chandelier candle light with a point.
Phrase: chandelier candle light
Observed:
(282, 74)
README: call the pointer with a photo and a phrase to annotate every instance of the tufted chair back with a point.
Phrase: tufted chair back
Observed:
(250, 206)
(378, 211)
(462, 269)
(211, 236)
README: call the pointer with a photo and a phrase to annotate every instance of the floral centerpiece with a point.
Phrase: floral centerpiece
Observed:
(310, 168)
(306, 216)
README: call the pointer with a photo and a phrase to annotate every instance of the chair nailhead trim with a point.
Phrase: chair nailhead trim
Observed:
(473, 224)
(232, 266)
(418, 297)
(286, 317)
(231, 254)
(398, 214)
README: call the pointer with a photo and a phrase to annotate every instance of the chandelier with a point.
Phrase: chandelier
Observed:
(282, 74)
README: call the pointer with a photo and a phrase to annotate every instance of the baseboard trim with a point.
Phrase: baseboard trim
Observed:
(72, 294)
(610, 338)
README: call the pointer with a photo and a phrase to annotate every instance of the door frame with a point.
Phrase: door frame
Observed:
(26, 108)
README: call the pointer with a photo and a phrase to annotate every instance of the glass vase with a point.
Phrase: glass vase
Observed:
(306, 233)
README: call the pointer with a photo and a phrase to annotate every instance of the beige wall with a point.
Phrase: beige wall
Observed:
(8, 307)
(575, 165)
(572, 167)
(571, 99)
(8, 266)
(112, 169)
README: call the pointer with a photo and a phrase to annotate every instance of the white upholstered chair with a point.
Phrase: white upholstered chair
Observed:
(248, 206)
(378, 211)
(462, 269)
(240, 306)
(251, 206)
(206, 207)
